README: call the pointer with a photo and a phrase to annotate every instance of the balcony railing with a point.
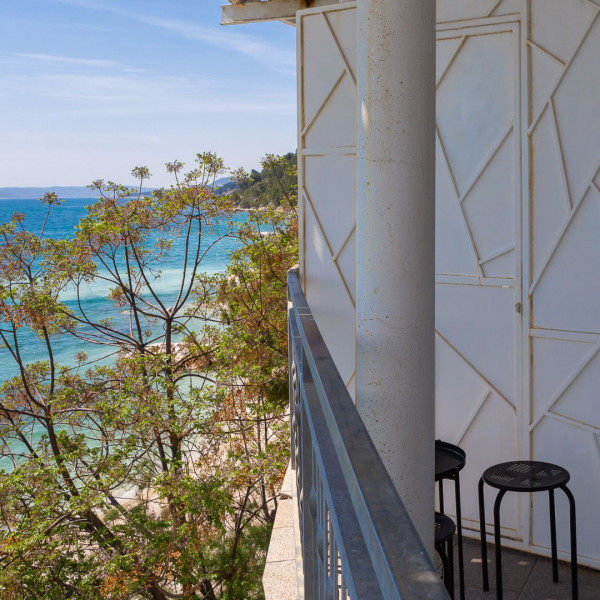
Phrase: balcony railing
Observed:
(358, 541)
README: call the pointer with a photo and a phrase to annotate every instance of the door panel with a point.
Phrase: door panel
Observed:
(478, 204)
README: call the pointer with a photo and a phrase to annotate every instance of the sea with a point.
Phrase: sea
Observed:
(61, 224)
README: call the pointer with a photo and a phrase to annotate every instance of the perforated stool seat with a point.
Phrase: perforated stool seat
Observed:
(526, 476)
(444, 532)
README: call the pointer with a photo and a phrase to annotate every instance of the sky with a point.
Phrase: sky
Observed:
(90, 89)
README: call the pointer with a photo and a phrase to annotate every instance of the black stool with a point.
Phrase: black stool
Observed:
(526, 476)
(444, 532)
(449, 460)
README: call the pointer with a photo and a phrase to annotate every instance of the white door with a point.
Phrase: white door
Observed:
(478, 252)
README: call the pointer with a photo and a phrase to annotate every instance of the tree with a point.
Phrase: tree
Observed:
(153, 476)
(274, 186)
(250, 351)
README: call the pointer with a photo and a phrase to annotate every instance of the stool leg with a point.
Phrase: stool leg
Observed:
(553, 536)
(450, 551)
(461, 569)
(484, 565)
(445, 567)
(441, 488)
(498, 547)
(573, 523)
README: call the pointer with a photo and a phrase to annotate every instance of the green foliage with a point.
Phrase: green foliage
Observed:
(274, 186)
(155, 476)
(253, 300)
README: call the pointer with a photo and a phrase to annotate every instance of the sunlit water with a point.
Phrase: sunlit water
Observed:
(61, 224)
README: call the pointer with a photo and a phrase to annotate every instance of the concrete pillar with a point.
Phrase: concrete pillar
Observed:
(395, 243)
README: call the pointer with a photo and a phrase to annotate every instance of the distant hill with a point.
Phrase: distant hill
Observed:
(71, 191)
(62, 191)
(260, 190)
(221, 182)
(265, 188)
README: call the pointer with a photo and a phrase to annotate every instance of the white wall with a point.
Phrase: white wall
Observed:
(327, 175)
(517, 242)
(510, 384)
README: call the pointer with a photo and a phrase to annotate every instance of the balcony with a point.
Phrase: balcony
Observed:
(356, 539)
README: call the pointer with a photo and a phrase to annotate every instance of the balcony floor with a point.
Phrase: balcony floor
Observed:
(526, 576)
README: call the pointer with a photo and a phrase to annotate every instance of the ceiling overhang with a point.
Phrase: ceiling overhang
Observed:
(254, 11)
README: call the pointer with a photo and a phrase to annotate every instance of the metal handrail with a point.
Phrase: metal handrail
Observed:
(358, 540)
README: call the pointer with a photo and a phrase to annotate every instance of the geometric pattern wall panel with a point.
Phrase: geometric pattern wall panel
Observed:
(460, 10)
(475, 383)
(471, 131)
(550, 439)
(466, 405)
(329, 301)
(478, 154)
(487, 236)
(564, 288)
(558, 375)
(489, 210)
(479, 323)
(327, 57)
(557, 26)
(454, 249)
(578, 114)
(565, 428)
(469, 390)
(564, 123)
(567, 293)
(330, 194)
(510, 383)
(492, 430)
(478, 206)
(550, 200)
(545, 70)
(579, 403)
(506, 7)
(329, 127)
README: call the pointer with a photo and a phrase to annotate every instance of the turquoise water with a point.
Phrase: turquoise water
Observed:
(61, 224)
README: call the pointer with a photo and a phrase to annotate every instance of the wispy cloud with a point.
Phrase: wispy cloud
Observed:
(50, 58)
(123, 94)
(245, 44)
(91, 87)
(267, 54)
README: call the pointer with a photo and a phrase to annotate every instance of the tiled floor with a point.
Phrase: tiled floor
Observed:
(525, 576)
